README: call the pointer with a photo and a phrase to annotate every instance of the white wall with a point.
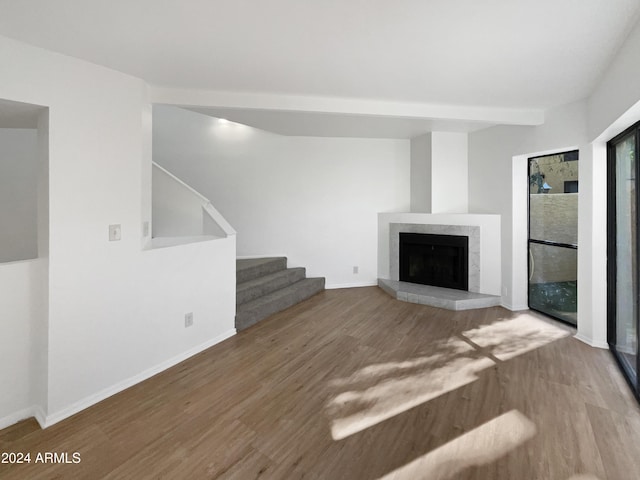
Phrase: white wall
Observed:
(115, 312)
(613, 106)
(439, 173)
(18, 194)
(592, 251)
(21, 304)
(618, 89)
(176, 210)
(449, 172)
(312, 199)
(39, 374)
(421, 173)
(23, 284)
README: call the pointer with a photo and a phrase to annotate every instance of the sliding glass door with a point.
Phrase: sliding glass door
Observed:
(623, 251)
(553, 235)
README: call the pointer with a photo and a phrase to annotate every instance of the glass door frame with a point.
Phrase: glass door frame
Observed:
(541, 242)
(612, 255)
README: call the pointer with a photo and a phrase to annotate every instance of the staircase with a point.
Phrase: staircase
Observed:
(266, 286)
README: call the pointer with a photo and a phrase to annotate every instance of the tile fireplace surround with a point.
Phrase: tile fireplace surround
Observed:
(484, 252)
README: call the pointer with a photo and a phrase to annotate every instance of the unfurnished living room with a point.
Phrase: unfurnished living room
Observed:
(327, 239)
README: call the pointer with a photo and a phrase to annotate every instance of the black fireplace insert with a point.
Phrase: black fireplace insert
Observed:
(438, 260)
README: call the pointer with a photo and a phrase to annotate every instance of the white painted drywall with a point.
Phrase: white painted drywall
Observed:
(592, 250)
(20, 313)
(18, 194)
(490, 251)
(439, 113)
(449, 172)
(439, 171)
(177, 211)
(421, 174)
(115, 311)
(613, 106)
(312, 199)
(39, 373)
(617, 91)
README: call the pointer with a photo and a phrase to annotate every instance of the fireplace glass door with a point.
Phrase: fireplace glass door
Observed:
(437, 260)
(553, 235)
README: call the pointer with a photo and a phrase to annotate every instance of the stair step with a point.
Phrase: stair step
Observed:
(251, 268)
(258, 287)
(252, 312)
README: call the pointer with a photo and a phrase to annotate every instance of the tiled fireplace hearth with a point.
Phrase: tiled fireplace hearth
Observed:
(483, 291)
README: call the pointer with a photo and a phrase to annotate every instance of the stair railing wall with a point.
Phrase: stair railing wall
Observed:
(180, 211)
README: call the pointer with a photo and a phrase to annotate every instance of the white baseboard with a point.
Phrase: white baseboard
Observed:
(334, 286)
(249, 257)
(591, 342)
(40, 416)
(516, 308)
(15, 417)
(86, 402)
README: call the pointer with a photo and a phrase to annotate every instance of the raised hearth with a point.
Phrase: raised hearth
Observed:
(437, 296)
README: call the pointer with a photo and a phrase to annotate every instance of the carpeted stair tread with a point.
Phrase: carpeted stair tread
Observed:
(251, 268)
(248, 291)
(252, 312)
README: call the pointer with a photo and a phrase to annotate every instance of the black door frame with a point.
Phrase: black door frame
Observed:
(632, 379)
(542, 242)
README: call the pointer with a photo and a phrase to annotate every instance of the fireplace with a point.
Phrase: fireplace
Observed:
(437, 260)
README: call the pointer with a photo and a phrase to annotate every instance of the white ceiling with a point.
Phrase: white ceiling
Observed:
(502, 53)
(510, 54)
(337, 125)
(18, 115)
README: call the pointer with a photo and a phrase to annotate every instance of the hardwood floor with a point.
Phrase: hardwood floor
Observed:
(352, 384)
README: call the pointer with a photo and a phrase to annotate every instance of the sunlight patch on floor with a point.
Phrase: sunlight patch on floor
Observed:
(442, 353)
(480, 446)
(510, 338)
(378, 392)
(398, 387)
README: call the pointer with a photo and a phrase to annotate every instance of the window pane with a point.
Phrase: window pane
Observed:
(553, 199)
(554, 218)
(626, 258)
(553, 281)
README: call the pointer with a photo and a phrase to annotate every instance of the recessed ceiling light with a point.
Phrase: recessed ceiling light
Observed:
(223, 120)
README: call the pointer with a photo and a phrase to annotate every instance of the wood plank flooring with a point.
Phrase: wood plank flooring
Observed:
(352, 384)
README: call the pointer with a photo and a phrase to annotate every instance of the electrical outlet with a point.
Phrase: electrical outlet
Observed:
(355, 269)
(504, 291)
(114, 233)
(145, 229)
(188, 319)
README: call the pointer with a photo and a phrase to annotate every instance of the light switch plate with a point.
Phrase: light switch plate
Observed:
(114, 233)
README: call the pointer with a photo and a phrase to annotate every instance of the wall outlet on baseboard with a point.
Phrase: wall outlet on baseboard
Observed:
(505, 291)
(188, 319)
(356, 269)
(145, 229)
